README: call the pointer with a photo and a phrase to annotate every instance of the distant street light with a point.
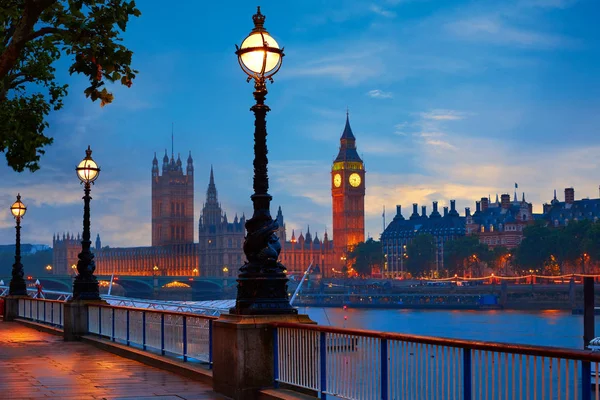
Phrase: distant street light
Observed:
(85, 286)
(155, 270)
(195, 271)
(49, 268)
(17, 283)
(225, 271)
(262, 282)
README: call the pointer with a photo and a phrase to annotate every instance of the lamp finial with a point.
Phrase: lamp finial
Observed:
(259, 21)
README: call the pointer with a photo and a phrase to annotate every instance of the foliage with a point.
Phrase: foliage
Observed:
(33, 264)
(35, 34)
(365, 256)
(570, 249)
(465, 253)
(420, 254)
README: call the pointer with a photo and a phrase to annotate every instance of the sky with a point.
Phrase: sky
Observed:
(448, 99)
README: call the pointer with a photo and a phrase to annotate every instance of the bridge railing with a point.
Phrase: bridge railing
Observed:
(183, 335)
(359, 364)
(50, 312)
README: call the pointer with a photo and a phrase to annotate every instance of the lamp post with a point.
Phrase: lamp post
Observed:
(262, 282)
(225, 271)
(17, 283)
(85, 285)
(49, 268)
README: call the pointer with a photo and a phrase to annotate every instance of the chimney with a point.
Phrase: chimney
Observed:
(415, 213)
(468, 211)
(445, 211)
(435, 213)
(424, 211)
(569, 195)
(547, 208)
(452, 205)
(530, 208)
(505, 201)
(398, 213)
(477, 207)
(485, 202)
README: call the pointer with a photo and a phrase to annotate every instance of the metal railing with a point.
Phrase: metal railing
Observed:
(44, 311)
(358, 364)
(183, 335)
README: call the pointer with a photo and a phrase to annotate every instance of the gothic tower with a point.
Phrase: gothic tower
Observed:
(348, 195)
(172, 201)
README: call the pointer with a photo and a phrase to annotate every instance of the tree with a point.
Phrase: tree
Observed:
(535, 248)
(365, 256)
(35, 34)
(420, 254)
(465, 253)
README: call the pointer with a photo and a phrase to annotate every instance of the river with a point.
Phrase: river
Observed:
(544, 328)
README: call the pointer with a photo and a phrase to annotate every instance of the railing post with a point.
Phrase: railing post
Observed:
(384, 369)
(45, 312)
(467, 388)
(60, 321)
(144, 330)
(112, 335)
(210, 343)
(162, 334)
(30, 309)
(323, 361)
(275, 359)
(127, 335)
(184, 339)
(52, 313)
(99, 321)
(586, 380)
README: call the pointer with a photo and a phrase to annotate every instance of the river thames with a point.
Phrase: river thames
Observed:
(543, 328)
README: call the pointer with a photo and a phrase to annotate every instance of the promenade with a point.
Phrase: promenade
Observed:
(36, 365)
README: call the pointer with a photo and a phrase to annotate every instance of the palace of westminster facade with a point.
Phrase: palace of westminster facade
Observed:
(219, 251)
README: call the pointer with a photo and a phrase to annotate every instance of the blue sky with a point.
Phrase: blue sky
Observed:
(447, 99)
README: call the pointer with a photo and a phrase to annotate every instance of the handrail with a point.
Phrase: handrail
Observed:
(153, 310)
(540, 351)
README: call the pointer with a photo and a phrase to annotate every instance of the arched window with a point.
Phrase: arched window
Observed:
(524, 217)
(491, 228)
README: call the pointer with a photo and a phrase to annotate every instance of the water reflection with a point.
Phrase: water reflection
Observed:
(545, 328)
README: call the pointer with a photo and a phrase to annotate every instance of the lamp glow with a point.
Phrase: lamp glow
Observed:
(18, 209)
(87, 170)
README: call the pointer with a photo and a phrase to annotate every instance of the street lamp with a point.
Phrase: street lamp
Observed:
(49, 268)
(195, 271)
(262, 282)
(17, 283)
(155, 270)
(85, 285)
(225, 271)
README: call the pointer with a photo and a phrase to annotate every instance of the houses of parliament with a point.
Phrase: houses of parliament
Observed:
(219, 252)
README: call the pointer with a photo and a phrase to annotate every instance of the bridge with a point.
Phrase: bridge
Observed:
(182, 287)
(318, 360)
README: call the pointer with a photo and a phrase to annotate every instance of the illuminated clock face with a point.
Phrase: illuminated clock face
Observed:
(337, 180)
(354, 179)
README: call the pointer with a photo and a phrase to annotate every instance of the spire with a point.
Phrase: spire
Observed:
(172, 139)
(348, 145)
(347, 134)
(497, 201)
(293, 236)
(190, 160)
(523, 197)
(155, 160)
(211, 182)
(308, 235)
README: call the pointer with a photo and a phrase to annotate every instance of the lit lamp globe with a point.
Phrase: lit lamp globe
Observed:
(18, 209)
(88, 170)
(259, 55)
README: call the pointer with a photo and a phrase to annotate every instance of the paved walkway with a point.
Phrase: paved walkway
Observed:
(36, 365)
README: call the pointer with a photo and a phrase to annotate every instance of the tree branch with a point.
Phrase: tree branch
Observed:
(45, 31)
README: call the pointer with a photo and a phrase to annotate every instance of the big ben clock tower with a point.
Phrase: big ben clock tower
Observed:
(348, 195)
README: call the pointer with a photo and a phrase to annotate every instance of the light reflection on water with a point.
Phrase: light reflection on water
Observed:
(544, 328)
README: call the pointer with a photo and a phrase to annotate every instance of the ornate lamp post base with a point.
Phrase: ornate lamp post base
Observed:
(86, 288)
(262, 294)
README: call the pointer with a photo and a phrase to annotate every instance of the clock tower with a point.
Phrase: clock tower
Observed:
(348, 195)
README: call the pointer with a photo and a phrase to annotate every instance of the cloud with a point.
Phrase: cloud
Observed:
(379, 94)
(440, 143)
(443, 115)
(381, 11)
(495, 30)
